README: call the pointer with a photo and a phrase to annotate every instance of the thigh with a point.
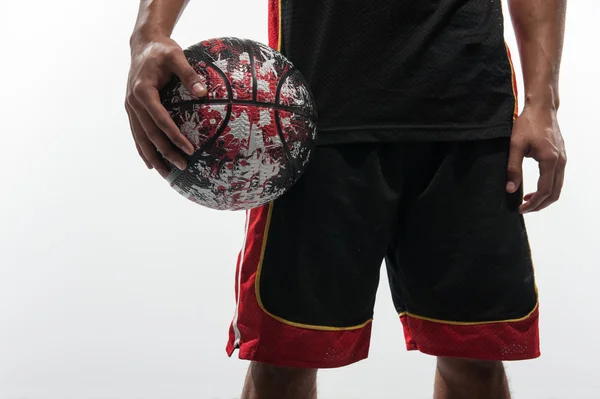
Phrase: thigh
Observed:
(327, 240)
(310, 267)
(461, 256)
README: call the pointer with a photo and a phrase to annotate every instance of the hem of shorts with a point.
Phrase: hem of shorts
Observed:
(488, 344)
(442, 352)
(327, 135)
(245, 353)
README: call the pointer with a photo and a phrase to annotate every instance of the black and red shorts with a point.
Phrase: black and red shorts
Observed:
(455, 246)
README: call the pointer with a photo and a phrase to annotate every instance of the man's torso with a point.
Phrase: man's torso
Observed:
(400, 69)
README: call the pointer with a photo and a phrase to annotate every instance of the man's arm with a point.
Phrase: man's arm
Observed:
(155, 57)
(539, 27)
(157, 18)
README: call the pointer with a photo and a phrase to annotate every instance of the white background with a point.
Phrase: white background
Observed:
(112, 286)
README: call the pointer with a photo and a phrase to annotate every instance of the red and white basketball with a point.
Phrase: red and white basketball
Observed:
(254, 131)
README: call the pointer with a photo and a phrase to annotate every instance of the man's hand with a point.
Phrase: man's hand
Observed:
(153, 62)
(539, 28)
(536, 135)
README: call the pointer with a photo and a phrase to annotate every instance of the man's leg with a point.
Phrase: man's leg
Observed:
(264, 381)
(470, 379)
(308, 272)
(460, 268)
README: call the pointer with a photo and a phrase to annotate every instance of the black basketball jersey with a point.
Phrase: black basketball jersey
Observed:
(400, 69)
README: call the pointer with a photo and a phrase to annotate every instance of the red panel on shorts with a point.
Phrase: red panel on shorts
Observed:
(512, 340)
(265, 339)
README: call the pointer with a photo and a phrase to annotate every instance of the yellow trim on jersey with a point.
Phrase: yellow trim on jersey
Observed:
(280, 319)
(280, 26)
(513, 82)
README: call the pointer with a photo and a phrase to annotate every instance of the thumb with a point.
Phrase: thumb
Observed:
(187, 75)
(515, 166)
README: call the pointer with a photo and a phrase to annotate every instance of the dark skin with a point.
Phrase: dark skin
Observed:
(539, 27)
(155, 57)
(264, 381)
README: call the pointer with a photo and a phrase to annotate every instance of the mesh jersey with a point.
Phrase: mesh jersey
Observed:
(400, 69)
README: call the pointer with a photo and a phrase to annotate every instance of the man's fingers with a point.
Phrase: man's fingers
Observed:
(162, 119)
(559, 180)
(147, 148)
(142, 97)
(139, 150)
(160, 141)
(153, 157)
(188, 76)
(518, 150)
(545, 186)
(131, 126)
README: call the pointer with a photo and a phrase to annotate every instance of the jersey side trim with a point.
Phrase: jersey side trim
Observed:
(514, 83)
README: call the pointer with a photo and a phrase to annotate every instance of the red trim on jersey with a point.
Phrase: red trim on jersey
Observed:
(274, 22)
(511, 340)
(263, 338)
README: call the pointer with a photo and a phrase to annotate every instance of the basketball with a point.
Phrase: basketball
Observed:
(254, 131)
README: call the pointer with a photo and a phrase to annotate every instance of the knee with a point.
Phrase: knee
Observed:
(277, 375)
(469, 368)
(265, 381)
